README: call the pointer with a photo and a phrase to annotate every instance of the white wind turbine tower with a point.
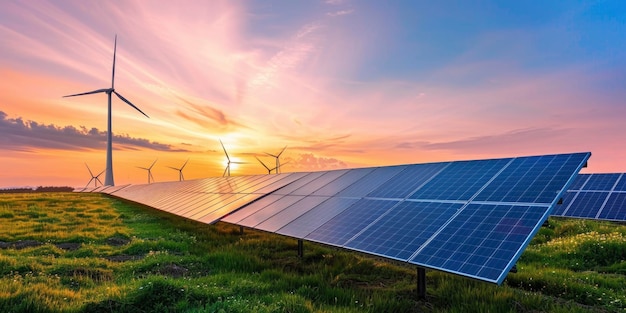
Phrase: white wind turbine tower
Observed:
(227, 169)
(269, 170)
(149, 169)
(277, 156)
(94, 178)
(180, 171)
(108, 180)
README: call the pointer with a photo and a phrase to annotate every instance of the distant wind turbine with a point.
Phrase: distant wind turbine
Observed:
(269, 170)
(149, 169)
(95, 178)
(277, 156)
(109, 165)
(180, 171)
(227, 169)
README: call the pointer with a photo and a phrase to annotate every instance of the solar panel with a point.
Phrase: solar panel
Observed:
(349, 222)
(621, 184)
(472, 218)
(595, 196)
(405, 182)
(460, 180)
(404, 229)
(615, 208)
(482, 240)
(315, 217)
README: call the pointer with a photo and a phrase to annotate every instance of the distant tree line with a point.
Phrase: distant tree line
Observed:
(38, 189)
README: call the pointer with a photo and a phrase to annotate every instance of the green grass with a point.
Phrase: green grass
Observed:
(135, 259)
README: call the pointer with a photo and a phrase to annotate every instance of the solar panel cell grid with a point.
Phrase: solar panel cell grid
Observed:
(348, 223)
(621, 184)
(460, 180)
(405, 182)
(251, 208)
(318, 183)
(532, 179)
(268, 211)
(404, 229)
(482, 240)
(345, 180)
(316, 217)
(290, 213)
(371, 181)
(579, 181)
(603, 182)
(586, 204)
(615, 208)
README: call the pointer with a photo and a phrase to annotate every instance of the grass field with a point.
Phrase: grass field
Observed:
(67, 252)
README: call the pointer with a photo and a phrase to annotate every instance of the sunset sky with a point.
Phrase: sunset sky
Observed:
(340, 83)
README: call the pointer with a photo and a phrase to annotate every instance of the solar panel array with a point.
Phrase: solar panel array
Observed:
(595, 196)
(472, 218)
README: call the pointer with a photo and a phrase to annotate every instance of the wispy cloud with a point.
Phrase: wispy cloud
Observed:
(340, 13)
(20, 135)
(311, 162)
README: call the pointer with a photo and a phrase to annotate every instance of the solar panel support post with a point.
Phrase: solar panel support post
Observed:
(421, 283)
(300, 248)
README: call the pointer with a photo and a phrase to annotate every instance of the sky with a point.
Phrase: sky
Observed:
(340, 83)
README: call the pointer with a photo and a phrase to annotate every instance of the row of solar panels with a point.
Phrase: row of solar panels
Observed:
(595, 196)
(472, 218)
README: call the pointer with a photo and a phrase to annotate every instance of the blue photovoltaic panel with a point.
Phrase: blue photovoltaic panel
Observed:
(349, 222)
(482, 241)
(302, 181)
(268, 211)
(586, 204)
(345, 180)
(291, 213)
(601, 182)
(579, 182)
(318, 183)
(371, 181)
(316, 217)
(621, 184)
(559, 209)
(472, 218)
(251, 208)
(404, 229)
(615, 208)
(460, 180)
(536, 179)
(401, 185)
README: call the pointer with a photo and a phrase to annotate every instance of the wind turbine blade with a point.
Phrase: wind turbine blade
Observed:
(89, 182)
(182, 167)
(239, 162)
(152, 164)
(87, 93)
(99, 174)
(177, 169)
(98, 179)
(90, 173)
(227, 157)
(223, 175)
(128, 102)
(113, 74)
(267, 168)
(274, 156)
(281, 151)
(143, 168)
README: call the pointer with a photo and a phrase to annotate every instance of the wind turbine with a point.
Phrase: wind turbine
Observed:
(149, 169)
(269, 170)
(95, 178)
(108, 180)
(277, 156)
(180, 171)
(227, 169)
